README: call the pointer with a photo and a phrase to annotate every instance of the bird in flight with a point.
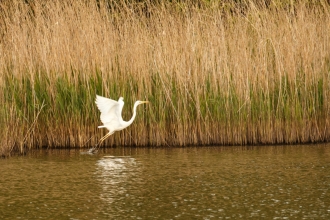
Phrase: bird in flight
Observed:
(111, 116)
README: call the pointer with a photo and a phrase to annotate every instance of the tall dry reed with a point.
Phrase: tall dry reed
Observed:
(215, 72)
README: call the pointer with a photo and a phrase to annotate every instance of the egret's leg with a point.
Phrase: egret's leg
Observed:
(102, 139)
(105, 137)
(100, 142)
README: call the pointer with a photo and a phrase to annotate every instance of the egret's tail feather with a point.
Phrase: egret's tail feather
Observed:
(101, 126)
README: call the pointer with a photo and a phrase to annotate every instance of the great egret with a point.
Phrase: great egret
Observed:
(111, 115)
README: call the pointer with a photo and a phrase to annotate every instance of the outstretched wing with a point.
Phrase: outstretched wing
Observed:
(110, 111)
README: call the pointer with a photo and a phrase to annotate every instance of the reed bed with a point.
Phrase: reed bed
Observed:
(215, 72)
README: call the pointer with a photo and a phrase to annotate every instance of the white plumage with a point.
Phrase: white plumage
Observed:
(110, 113)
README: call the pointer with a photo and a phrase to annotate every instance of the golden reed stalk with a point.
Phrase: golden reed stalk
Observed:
(215, 72)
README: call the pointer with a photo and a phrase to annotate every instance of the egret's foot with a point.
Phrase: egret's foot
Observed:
(90, 151)
(93, 150)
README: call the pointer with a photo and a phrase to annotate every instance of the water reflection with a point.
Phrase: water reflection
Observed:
(113, 174)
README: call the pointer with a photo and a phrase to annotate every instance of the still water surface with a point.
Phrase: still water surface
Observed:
(270, 182)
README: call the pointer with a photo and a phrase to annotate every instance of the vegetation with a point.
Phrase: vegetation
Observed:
(215, 72)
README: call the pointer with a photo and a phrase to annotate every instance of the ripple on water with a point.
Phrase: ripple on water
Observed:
(185, 183)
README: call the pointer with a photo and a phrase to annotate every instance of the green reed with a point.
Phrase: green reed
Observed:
(71, 109)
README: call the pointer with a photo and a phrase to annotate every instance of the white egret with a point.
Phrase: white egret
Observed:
(111, 115)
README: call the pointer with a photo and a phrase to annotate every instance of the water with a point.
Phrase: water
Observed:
(270, 182)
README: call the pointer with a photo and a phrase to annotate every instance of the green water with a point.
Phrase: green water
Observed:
(270, 182)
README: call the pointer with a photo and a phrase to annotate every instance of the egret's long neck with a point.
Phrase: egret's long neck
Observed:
(134, 114)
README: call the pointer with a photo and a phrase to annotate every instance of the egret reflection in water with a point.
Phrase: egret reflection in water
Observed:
(114, 175)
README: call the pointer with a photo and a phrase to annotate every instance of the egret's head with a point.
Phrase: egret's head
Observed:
(121, 99)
